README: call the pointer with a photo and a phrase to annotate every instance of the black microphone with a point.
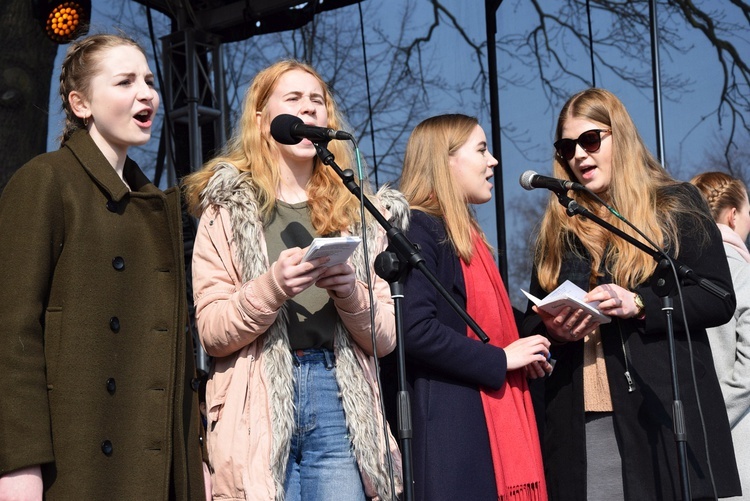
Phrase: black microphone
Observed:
(288, 129)
(531, 180)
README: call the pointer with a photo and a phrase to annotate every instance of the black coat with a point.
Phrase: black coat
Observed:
(451, 453)
(643, 418)
(95, 355)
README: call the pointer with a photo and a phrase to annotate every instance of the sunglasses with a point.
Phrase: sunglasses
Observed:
(591, 141)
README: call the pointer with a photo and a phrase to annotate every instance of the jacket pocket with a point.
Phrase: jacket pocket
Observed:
(52, 342)
(214, 402)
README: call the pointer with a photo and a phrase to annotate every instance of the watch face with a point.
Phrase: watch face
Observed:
(638, 300)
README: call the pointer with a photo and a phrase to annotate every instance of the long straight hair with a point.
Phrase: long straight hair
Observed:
(636, 190)
(251, 149)
(427, 181)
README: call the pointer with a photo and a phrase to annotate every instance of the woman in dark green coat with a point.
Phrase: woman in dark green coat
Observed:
(97, 362)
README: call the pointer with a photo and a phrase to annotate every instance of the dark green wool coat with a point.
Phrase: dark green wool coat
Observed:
(95, 357)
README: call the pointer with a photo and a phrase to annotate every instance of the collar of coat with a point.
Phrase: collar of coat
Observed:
(101, 171)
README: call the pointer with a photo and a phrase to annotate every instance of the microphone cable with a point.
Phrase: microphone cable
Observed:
(370, 111)
(371, 297)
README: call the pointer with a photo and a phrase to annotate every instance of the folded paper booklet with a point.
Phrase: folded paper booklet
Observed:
(568, 294)
(337, 248)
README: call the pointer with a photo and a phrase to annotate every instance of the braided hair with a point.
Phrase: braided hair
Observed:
(79, 67)
(721, 191)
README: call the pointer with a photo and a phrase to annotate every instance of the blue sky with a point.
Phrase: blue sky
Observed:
(524, 111)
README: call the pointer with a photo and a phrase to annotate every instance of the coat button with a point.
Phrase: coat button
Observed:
(111, 385)
(111, 206)
(118, 263)
(114, 324)
(107, 448)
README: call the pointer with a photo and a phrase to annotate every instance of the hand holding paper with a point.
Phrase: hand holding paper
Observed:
(568, 294)
(338, 249)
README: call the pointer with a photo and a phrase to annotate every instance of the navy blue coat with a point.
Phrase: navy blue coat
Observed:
(444, 370)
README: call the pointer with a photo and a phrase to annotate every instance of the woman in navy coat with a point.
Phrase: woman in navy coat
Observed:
(447, 167)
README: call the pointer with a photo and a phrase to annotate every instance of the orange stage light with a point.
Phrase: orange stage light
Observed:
(63, 21)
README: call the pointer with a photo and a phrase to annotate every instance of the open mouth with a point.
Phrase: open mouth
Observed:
(144, 116)
(586, 170)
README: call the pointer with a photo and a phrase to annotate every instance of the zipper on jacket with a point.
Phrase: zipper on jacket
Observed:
(628, 377)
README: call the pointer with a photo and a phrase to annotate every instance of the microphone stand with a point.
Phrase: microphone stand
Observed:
(392, 267)
(662, 286)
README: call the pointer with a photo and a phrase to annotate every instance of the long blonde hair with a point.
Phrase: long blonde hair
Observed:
(251, 149)
(427, 181)
(636, 190)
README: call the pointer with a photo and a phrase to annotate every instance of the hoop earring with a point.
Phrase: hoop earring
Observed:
(85, 121)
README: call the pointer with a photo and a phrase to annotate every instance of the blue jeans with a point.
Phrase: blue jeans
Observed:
(321, 463)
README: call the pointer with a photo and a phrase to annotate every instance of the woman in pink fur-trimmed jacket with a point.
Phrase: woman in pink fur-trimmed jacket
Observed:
(293, 401)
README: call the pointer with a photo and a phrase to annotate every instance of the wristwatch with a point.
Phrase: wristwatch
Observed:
(639, 314)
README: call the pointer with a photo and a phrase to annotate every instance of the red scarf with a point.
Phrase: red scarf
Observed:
(514, 439)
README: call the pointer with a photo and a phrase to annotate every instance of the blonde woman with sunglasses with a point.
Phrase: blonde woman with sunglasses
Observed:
(608, 426)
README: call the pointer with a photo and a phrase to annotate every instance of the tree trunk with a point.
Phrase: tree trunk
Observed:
(26, 63)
